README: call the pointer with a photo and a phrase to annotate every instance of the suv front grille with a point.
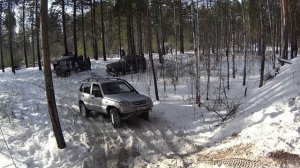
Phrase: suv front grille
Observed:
(140, 103)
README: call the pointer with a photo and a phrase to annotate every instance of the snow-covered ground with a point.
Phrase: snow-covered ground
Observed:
(264, 132)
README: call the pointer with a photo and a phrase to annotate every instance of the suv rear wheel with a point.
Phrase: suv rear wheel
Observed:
(83, 110)
(115, 117)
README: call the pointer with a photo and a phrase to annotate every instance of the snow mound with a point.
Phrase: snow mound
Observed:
(268, 123)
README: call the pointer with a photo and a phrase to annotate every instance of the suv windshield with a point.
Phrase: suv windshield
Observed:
(115, 88)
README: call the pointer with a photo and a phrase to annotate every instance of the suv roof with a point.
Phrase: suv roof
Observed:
(103, 80)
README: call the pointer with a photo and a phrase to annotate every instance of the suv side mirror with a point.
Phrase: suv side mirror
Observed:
(97, 93)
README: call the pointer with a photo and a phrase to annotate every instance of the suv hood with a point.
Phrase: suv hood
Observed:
(130, 97)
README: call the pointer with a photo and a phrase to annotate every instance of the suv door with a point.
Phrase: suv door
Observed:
(96, 98)
(86, 95)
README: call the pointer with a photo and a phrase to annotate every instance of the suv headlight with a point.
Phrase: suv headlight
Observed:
(125, 104)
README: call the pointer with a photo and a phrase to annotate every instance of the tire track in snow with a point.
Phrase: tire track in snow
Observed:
(97, 143)
(116, 152)
(159, 138)
(138, 143)
(150, 154)
(112, 142)
(93, 140)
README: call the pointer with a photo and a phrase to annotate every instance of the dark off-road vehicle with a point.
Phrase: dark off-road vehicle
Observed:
(64, 65)
(127, 65)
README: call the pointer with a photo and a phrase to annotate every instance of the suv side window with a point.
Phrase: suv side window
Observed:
(124, 87)
(87, 88)
(96, 91)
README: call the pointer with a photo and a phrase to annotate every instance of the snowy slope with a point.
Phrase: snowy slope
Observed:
(268, 125)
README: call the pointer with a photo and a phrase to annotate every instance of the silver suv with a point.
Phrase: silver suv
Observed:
(114, 97)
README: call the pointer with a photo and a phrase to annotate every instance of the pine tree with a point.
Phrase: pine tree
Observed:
(48, 77)
(1, 40)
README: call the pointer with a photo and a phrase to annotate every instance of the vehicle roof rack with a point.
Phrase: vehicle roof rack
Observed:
(98, 79)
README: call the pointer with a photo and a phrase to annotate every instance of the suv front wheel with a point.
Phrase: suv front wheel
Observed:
(83, 110)
(115, 117)
(145, 116)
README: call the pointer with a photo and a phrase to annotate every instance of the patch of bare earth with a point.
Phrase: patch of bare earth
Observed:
(286, 159)
(234, 156)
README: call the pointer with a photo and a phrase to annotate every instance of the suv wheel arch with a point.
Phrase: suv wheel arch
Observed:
(86, 112)
(115, 117)
(108, 108)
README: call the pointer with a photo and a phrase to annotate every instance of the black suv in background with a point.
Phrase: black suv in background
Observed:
(127, 65)
(63, 65)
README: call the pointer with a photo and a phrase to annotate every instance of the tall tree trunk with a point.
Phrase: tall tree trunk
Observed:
(119, 32)
(227, 36)
(24, 34)
(37, 25)
(293, 17)
(232, 42)
(284, 28)
(83, 30)
(208, 50)
(195, 46)
(157, 27)
(129, 39)
(130, 32)
(150, 51)
(103, 32)
(10, 34)
(180, 26)
(140, 37)
(272, 29)
(64, 26)
(277, 26)
(162, 30)
(160, 56)
(245, 45)
(48, 77)
(74, 27)
(1, 40)
(198, 75)
(32, 14)
(93, 19)
(32, 43)
(262, 34)
(108, 34)
(175, 36)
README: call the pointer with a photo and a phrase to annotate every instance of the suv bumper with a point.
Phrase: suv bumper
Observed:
(133, 114)
(134, 111)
